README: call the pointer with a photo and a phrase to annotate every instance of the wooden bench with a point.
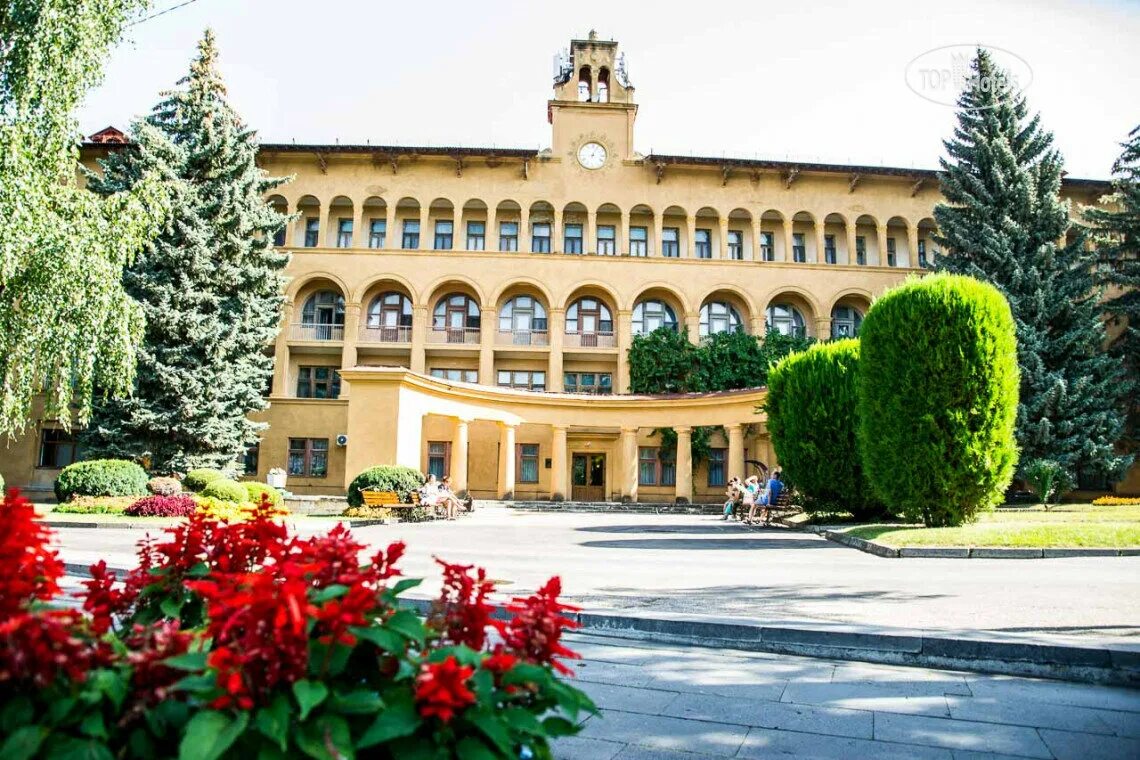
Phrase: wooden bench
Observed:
(388, 499)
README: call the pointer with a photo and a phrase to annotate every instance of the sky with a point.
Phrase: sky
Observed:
(814, 80)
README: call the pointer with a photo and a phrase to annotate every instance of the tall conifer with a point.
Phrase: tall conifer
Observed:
(211, 285)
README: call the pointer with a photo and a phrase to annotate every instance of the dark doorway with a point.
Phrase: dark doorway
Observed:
(588, 478)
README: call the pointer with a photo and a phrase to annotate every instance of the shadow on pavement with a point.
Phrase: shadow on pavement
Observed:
(699, 544)
(717, 528)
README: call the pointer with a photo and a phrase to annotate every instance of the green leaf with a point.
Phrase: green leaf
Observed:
(71, 748)
(327, 593)
(521, 719)
(483, 684)
(93, 726)
(17, 712)
(408, 625)
(199, 682)
(273, 721)
(23, 743)
(326, 738)
(270, 752)
(403, 585)
(111, 684)
(171, 607)
(383, 638)
(209, 734)
(398, 719)
(491, 727)
(525, 673)
(556, 726)
(57, 711)
(359, 702)
(193, 661)
(200, 570)
(309, 694)
(470, 748)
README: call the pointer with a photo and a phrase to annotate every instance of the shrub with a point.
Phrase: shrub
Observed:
(813, 421)
(97, 505)
(164, 486)
(1048, 478)
(367, 512)
(100, 477)
(254, 492)
(196, 480)
(938, 382)
(402, 480)
(226, 490)
(163, 506)
(220, 509)
(1116, 501)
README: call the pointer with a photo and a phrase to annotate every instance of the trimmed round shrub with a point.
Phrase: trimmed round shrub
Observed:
(196, 480)
(180, 505)
(164, 486)
(100, 477)
(938, 386)
(226, 490)
(402, 480)
(254, 492)
(813, 421)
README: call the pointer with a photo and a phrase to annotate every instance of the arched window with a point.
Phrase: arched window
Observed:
(322, 317)
(845, 322)
(524, 318)
(456, 311)
(604, 85)
(585, 84)
(391, 314)
(650, 315)
(589, 316)
(718, 317)
(786, 319)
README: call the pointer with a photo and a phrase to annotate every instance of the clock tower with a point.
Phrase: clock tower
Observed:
(592, 111)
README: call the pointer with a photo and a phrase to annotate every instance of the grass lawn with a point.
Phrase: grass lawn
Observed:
(1066, 525)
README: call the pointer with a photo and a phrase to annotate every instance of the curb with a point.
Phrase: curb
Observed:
(978, 652)
(352, 522)
(966, 552)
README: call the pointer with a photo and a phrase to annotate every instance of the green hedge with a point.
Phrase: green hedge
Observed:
(813, 422)
(196, 480)
(938, 384)
(254, 492)
(402, 480)
(100, 477)
(226, 490)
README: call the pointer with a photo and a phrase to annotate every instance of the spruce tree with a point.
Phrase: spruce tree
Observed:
(1002, 224)
(1118, 248)
(210, 286)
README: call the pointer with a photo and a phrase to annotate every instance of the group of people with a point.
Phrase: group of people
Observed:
(439, 494)
(750, 494)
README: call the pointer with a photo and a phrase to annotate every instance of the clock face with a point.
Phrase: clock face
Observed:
(592, 155)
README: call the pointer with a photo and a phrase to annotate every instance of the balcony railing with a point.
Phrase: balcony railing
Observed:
(454, 335)
(522, 338)
(387, 334)
(590, 340)
(303, 331)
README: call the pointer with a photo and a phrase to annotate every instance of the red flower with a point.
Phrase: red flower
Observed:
(462, 606)
(499, 662)
(535, 631)
(42, 647)
(441, 689)
(385, 564)
(150, 678)
(31, 570)
(103, 600)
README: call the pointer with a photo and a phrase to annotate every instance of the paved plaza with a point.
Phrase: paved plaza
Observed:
(685, 702)
(696, 565)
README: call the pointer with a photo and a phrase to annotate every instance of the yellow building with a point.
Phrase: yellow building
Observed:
(510, 283)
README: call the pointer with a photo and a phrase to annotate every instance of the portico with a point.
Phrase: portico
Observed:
(507, 443)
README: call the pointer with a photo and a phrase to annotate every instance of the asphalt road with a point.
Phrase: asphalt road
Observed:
(698, 565)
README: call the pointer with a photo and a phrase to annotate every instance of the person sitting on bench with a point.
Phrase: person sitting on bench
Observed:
(771, 496)
(733, 495)
(451, 503)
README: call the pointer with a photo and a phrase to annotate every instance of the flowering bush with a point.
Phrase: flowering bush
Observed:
(230, 511)
(239, 639)
(97, 505)
(163, 506)
(1116, 501)
(225, 489)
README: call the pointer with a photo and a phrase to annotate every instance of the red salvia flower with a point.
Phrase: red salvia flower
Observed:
(31, 570)
(39, 648)
(103, 601)
(149, 646)
(385, 562)
(499, 662)
(463, 605)
(535, 631)
(441, 689)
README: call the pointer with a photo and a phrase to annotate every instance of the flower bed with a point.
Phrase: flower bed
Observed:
(239, 639)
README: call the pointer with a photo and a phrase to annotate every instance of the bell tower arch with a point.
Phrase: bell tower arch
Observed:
(593, 98)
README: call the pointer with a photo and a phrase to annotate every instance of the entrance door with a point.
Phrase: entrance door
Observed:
(588, 478)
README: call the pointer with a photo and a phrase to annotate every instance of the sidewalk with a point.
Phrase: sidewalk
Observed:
(671, 703)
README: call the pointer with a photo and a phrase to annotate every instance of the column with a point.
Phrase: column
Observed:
(557, 237)
(819, 234)
(882, 230)
(788, 255)
(735, 464)
(627, 477)
(723, 244)
(493, 228)
(851, 234)
(392, 232)
(684, 465)
(488, 326)
(359, 233)
(690, 249)
(622, 245)
(912, 245)
(506, 461)
(755, 240)
(459, 457)
(693, 326)
(559, 483)
(556, 329)
(420, 318)
(624, 340)
(658, 227)
(823, 328)
(351, 334)
(760, 324)
(426, 235)
(281, 353)
(589, 242)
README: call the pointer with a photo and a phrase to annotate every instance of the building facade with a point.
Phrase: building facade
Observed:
(504, 278)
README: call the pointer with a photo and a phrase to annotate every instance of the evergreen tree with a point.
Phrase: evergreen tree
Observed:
(210, 286)
(1002, 224)
(1118, 247)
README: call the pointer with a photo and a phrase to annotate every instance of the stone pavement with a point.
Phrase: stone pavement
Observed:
(672, 565)
(671, 703)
